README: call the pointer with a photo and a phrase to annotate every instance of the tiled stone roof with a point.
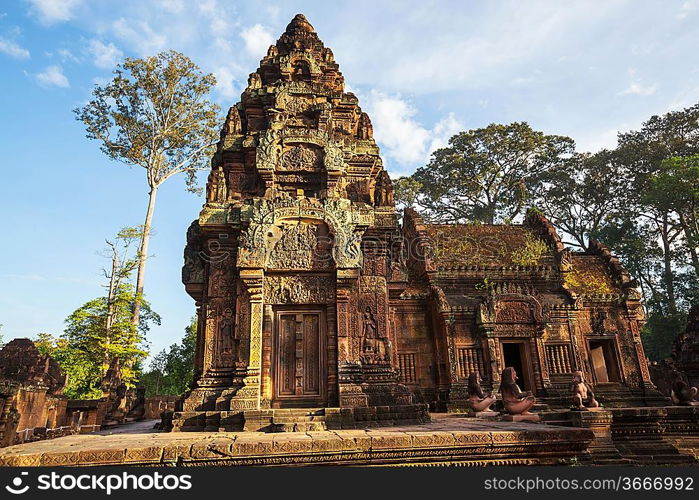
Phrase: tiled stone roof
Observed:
(590, 276)
(486, 245)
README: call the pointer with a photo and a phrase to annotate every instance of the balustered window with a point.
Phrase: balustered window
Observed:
(470, 359)
(408, 373)
(558, 356)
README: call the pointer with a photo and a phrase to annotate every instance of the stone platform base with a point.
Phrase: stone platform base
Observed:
(456, 441)
(488, 415)
(520, 418)
(639, 436)
(296, 419)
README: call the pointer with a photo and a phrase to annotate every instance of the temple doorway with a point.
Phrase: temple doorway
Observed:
(516, 355)
(299, 372)
(603, 361)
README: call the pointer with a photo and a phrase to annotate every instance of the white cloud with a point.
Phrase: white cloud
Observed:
(636, 88)
(105, 55)
(12, 49)
(225, 82)
(400, 135)
(54, 11)
(257, 39)
(53, 76)
(140, 36)
(219, 26)
(207, 6)
(443, 131)
(67, 55)
(687, 8)
(174, 6)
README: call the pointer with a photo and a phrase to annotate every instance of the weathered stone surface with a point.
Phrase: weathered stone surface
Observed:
(462, 440)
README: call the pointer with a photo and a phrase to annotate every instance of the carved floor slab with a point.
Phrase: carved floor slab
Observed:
(444, 440)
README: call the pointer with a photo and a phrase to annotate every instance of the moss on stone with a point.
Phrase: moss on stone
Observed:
(530, 253)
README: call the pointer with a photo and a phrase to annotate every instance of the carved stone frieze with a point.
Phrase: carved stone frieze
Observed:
(300, 158)
(299, 289)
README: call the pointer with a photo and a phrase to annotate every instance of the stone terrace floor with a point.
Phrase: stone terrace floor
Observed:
(447, 439)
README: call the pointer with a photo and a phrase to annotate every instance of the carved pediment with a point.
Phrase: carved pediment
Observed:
(299, 245)
(514, 311)
(300, 158)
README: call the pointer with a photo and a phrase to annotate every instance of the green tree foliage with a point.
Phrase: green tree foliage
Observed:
(641, 199)
(487, 175)
(86, 347)
(154, 114)
(101, 330)
(406, 191)
(576, 195)
(171, 371)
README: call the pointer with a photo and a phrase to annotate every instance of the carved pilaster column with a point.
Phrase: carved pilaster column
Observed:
(199, 350)
(494, 358)
(543, 362)
(343, 292)
(634, 326)
(248, 397)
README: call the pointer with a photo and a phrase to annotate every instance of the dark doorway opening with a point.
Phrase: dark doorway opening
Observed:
(603, 361)
(514, 355)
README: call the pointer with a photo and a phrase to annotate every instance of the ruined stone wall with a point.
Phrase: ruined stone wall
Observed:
(155, 405)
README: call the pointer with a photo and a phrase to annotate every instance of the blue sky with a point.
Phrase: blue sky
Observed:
(423, 71)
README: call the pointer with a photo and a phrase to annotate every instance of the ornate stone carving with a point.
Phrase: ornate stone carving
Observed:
(383, 195)
(301, 246)
(216, 189)
(299, 289)
(193, 269)
(374, 344)
(300, 158)
(513, 312)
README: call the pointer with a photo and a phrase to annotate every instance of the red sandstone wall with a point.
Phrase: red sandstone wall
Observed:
(158, 404)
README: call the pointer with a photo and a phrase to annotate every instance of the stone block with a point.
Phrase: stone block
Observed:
(520, 418)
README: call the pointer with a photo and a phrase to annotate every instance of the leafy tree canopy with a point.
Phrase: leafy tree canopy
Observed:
(486, 175)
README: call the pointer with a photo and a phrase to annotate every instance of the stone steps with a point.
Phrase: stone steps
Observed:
(298, 420)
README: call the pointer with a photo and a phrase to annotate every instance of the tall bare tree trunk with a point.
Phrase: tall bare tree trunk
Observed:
(668, 274)
(690, 236)
(110, 304)
(143, 257)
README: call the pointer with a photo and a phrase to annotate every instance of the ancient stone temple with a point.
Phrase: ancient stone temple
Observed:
(314, 303)
(485, 297)
(291, 257)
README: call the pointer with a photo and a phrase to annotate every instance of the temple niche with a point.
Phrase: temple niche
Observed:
(311, 297)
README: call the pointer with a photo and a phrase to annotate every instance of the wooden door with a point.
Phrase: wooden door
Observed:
(599, 366)
(299, 378)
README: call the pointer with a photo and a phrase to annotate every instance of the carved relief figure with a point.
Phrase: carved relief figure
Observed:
(233, 124)
(227, 348)
(383, 192)
(216, 191)
(515, 401)
(365, 130)
(374, 346)
(583, 397)
(478, 401)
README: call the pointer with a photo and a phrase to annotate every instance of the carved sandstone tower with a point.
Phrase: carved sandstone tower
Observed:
(289, 259)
